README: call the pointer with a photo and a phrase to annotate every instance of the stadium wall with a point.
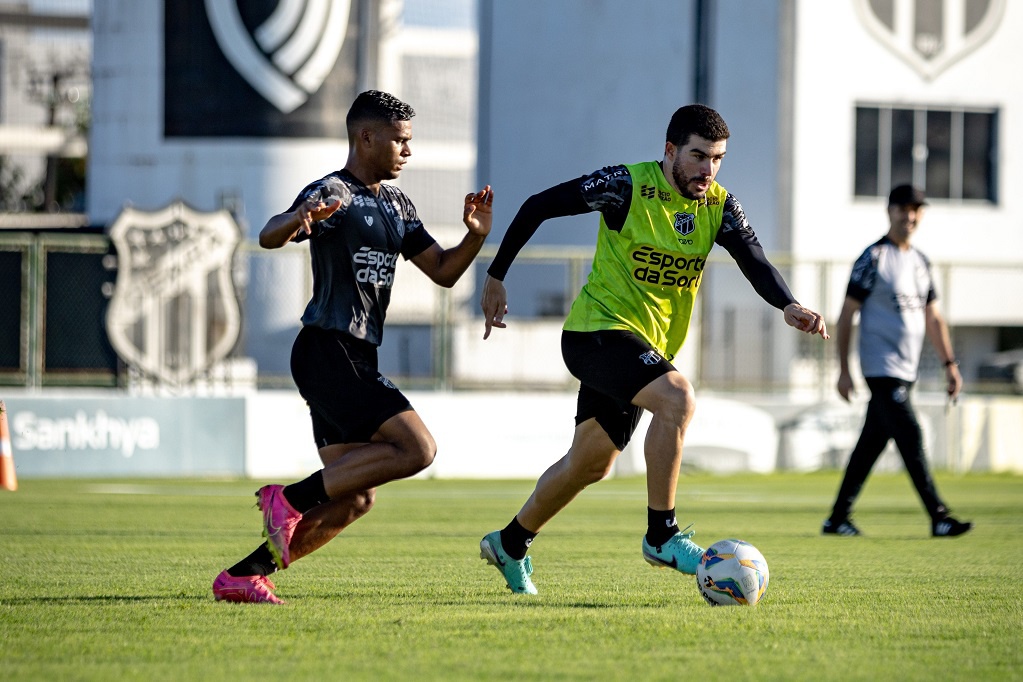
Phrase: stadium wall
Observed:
(480, 435)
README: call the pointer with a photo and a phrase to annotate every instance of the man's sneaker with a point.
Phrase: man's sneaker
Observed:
(678, 552)
(845, 528)
(279, 521)
(948, 527)
(250, 588)
(516, 572)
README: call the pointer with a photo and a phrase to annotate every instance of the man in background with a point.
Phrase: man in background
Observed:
(892, 289)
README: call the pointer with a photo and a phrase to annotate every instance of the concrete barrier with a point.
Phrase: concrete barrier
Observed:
(267, 434)
(110, 434)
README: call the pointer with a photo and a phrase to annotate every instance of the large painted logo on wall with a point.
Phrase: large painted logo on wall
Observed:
(294, 49)
(259, 68)
(931, 36)
(175, 311)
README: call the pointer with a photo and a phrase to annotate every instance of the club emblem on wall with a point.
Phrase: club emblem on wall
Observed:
(175, 311)
(290, 54)
(932, 36)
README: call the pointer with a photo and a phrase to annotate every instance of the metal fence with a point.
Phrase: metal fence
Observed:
(739, 342)
(56, 287)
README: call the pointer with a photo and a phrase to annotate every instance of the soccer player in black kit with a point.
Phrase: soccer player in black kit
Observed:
(366, 430)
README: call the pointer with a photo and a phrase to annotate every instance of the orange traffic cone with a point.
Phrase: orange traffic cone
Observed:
(7, 478)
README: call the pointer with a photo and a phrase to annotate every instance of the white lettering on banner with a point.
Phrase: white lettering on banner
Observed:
(100, 432)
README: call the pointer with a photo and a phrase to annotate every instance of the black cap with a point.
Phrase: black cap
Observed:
(907, 195)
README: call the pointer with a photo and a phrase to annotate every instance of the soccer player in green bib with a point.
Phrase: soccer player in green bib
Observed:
(658, 223)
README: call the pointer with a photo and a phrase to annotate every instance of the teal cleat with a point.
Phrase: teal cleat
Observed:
(516, 573)
(679, 552)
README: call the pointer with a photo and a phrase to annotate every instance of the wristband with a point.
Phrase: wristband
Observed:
(949, 363)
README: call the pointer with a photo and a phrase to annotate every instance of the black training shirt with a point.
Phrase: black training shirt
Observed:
(354, 253)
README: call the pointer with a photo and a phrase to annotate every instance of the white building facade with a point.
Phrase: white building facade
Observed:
(829, 104)
(885, 94)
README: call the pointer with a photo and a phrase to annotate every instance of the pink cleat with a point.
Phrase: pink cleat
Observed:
(279, 521)
(245, 589)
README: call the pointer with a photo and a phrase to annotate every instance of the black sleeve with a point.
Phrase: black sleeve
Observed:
(864, 272)
(608, 190)
(415, 239)
(560, 200)
(325, 189)
(737, 237)
(416, 242)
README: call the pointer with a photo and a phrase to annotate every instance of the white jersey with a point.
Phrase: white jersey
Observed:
(894, 287)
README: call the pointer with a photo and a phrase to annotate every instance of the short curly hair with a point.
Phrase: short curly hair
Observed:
(696, 119)
(374, 105)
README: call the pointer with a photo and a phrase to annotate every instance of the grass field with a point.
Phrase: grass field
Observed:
(111, 580)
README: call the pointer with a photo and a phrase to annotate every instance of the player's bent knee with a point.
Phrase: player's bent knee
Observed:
(591, 472)
(597, 473)
(363, 502)
(670, 397)
(426, 457)
(678, 402)
(427, 450)
(419, 455)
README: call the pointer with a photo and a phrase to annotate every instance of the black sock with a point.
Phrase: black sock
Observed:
(307, 494)
(260, 562)
(516, 540)
(660, 526)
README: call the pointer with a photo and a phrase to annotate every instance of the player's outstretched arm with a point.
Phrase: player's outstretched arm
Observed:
(805, 320)
(561, 200)
(284, 227)
(446, 266)
(494, 303)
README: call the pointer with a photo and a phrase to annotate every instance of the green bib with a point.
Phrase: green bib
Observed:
(645, 277)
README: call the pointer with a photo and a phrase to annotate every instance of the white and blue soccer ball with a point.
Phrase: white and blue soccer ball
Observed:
(732, 573)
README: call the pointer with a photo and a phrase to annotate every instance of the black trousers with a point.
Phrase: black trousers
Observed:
(890, 415)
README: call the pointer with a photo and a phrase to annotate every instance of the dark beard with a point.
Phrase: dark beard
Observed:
(683, 184)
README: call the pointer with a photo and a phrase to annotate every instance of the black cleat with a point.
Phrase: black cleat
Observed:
(948, 527)
(845, 528)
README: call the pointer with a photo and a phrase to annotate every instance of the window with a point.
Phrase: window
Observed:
(949, 152)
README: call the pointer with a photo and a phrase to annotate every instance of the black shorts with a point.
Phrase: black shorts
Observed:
(337, 375)
(612, 367)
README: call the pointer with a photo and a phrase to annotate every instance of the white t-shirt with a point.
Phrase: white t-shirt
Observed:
(894, 287)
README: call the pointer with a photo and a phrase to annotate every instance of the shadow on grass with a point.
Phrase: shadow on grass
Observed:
(479, 601)
(112, 533)
(104, 598)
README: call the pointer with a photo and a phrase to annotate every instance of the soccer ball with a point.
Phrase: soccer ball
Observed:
(732, 573)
